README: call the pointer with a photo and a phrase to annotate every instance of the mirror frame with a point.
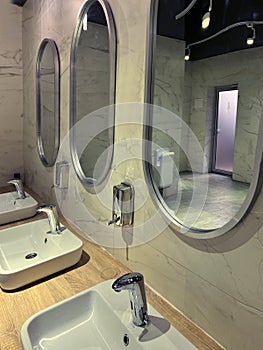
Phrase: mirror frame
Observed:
(88, 182)
(257, 180)
(39, 116)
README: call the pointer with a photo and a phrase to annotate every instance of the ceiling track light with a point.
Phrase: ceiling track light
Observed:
(252, 35)
(187, 53)
(186, 10)
(249, 25)
(206, 17)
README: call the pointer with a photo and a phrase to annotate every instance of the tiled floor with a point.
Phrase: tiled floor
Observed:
(206, 201)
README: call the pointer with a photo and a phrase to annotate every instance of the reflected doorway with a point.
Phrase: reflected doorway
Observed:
(224, 130)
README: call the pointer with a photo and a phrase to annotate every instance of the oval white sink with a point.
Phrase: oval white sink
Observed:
(28, 253)
(98, 319)
(13, 208)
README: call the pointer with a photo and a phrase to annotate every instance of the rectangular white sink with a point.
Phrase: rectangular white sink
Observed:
(98, 319)
(13, 208)
(28, 253)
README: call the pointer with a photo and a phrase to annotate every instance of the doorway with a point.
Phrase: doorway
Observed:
(224, 129)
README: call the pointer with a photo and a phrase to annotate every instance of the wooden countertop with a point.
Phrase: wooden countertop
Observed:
(95, 266)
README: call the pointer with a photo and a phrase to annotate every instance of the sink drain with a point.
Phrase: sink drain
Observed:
(126, 340)
(30, 255)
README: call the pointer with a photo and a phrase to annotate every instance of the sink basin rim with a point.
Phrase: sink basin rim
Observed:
(33, 262)
(19, 211)
(16, 271)
(119, 303)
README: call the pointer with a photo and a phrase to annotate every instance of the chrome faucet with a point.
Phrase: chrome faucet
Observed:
(52, 215)
(19, 188)
(134, 283)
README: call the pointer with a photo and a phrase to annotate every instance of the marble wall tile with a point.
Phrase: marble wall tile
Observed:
(169, 93)
(36, 26)
(187, 89)
(40, 20)
(235, 68)
(11, 84)
(213, 309)
(216, 283)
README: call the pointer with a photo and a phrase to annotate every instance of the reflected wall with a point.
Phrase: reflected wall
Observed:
(92, 76)
(185, 88)
(189, 89)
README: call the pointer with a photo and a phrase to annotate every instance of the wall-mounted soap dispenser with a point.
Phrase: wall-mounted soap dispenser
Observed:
(122, 205)
(62, 175)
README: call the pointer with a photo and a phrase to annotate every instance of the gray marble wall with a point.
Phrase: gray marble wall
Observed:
(169, 93)
(11, 93)
(188, 90)
(92, 90)
(224, 70)
(39, 22)
(216, 283)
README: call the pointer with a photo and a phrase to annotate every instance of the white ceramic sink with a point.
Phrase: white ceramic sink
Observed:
(28, 253)
(13, 208)
(98, 319)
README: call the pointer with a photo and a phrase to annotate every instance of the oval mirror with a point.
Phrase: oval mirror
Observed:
(205, 128)
(48, 101)
(93, 60)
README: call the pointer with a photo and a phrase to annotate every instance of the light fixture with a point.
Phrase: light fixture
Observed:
(206, 17)
(85, 22)
(206, 20)
(186, 10)
(187, 54)
(252, 35)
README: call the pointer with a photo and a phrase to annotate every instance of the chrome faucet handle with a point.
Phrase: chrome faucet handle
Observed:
(134, 283)
(19, 188)
(52, 215)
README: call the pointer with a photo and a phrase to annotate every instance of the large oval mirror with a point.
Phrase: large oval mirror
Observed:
(48, 101)
(93, 60)
(205, 128)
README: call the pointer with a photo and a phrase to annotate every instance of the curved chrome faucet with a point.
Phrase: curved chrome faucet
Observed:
(52, 215)
(134, 283)
(19, 188)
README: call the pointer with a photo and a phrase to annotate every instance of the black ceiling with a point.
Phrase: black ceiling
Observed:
(224, 13)
(18, 2)
(96, 14)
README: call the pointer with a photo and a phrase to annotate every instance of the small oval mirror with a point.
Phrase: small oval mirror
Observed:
(93, 60)
(205, 127)
(48, 101)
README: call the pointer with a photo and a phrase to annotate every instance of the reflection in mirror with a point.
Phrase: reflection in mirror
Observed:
(93, 58)
(48, 101)
(212, 80)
